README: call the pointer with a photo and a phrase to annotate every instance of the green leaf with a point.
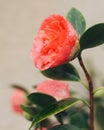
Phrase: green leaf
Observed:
(30, 110)
(64, 127)
(77, 20)
(98, 92)
(78, 116)
(53, 110)
(93, 37)
(99, 115)
(41, 100)
(80, 119)
(85, 129)
(63, 72)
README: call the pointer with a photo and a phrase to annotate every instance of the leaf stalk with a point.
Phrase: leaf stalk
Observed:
(91, 87)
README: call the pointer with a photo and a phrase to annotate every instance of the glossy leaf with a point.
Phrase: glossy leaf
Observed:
(93, 37)
(53, 110)
(41, 100)
(63, 72)
(77, 20)
(64, 127)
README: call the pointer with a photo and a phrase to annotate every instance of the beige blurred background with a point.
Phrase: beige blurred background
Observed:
(19, 22)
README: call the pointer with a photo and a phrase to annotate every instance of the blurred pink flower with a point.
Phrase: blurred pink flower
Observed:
(17, 99)
(43, 128)
(55, 43)
(57, 89)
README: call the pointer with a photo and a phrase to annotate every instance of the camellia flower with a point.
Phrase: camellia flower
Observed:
(57, 89)
(17, 99)
(56, 43)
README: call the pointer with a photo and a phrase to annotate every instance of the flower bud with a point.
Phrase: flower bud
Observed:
(17, 99)
(57, 89)
(56, 43)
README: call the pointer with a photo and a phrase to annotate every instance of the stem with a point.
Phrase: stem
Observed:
(90, 83)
